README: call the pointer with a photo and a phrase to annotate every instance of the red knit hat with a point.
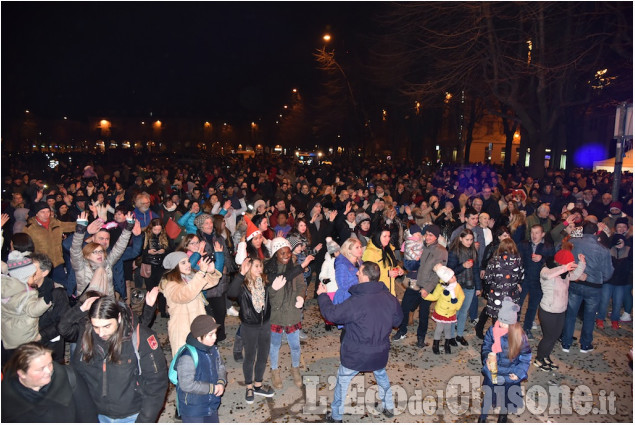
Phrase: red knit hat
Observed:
(252, 230)
(563, 257)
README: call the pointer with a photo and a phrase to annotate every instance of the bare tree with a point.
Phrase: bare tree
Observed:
(534, 57)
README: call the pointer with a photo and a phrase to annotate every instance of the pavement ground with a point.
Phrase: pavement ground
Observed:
(600, 382)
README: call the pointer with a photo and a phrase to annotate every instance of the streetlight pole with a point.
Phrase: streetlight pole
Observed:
(623, 130)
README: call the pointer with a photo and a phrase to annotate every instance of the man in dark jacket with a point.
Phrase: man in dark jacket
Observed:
(368, 316)
(534, 253)
(427, 280)
(120, 360)
(56, 295)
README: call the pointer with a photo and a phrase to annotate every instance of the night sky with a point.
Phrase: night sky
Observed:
(200, 59)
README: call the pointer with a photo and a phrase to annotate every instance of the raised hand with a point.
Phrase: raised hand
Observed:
(217, 247)
(581, 258)
(307, 260)
(95, 226)
(278, 282)
(3, 219)
(227, 205)
(151, 296)
(136, 230)
(205, 264)
(332, 215)
(83, 216)
(130, 216)
(245, 266)
(88, 303)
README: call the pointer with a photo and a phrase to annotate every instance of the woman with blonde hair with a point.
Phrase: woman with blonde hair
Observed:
(182, 290)
(346, 266)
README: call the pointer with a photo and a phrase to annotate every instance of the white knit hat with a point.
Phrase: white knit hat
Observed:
(445, 273)
(278, 243)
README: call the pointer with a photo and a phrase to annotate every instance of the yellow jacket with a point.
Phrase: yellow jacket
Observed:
(372, 253)
(444, 306)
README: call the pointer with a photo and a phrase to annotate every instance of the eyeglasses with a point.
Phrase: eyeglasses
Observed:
(98, 251)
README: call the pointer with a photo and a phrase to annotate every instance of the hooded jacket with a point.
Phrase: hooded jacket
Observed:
(21, 309)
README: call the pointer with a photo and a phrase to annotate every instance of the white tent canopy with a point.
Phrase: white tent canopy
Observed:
(609, 164)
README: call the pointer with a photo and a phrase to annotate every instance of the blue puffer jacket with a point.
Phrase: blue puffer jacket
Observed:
(369, 316)
(518, 366)
(345, 276)
(187, 221)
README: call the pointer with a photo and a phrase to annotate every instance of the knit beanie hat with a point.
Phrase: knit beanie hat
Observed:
(361, 217)
(432, 228)
(278, 243)
(563, 257)
(445, 273)
(621, 220)
(202, 325)
(331, 246)
(508, 313)
(38, 206)
(252, 230)
(294, 241)
(172, 259)
(198, 221)
(20, 266)
(414, 229)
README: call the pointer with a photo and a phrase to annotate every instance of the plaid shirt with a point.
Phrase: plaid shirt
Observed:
(288, 329)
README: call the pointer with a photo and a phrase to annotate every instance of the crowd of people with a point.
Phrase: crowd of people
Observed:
(256, 239)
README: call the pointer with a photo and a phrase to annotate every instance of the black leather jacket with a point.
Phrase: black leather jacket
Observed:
(248, 314)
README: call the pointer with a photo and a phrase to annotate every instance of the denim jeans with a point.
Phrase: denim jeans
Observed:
(411, 300)
(461, 316)
(106, 420)
(274, 348)
(628, 298)
(534, 291)
(212, 419)
(473, 308)
(617, 294)
(344, 377)
(591, 297)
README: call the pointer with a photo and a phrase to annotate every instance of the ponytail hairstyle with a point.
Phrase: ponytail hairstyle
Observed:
(107, 308)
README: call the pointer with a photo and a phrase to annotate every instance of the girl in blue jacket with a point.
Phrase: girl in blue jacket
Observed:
(506, 356)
